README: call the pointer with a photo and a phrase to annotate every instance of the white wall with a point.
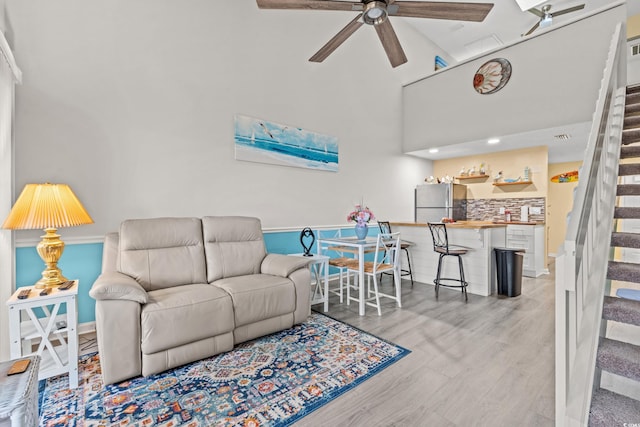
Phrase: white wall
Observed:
(132, 104)
(555, 80)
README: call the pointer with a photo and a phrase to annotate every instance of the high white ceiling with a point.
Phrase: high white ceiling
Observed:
(504, 25)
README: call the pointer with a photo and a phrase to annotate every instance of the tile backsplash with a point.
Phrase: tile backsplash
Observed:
(489, 209)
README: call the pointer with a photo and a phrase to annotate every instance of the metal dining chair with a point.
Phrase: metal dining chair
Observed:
(385, 227)
(442, 247)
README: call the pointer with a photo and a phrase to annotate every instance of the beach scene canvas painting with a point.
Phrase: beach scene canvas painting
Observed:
(262, 141)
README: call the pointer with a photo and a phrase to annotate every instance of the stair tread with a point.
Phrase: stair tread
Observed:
(630, 109)
(624, 271)
(620, 358)
(632, 98)
(621, 310)
(629, 169)
(628, 190)
(612, 409)
(631, 122)
(629, 151)
(626, 213)
(635, 88)
(630, 136)
(625, 240)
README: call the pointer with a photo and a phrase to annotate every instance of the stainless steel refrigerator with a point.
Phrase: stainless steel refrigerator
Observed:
(437, 201)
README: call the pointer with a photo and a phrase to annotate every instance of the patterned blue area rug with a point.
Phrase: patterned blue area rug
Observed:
(271, 381)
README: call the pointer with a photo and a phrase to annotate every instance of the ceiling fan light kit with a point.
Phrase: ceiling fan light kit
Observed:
(376, 14)
(546, 16)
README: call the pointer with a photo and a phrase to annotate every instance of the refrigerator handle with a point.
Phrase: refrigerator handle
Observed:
(446, 196)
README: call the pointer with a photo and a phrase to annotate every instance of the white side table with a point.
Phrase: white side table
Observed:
(319, 265)
(56, 359)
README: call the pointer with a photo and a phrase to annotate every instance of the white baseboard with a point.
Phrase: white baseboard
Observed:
(87, 328)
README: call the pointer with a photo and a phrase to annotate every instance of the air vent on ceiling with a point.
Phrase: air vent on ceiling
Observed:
(562, 136)
(484, 44)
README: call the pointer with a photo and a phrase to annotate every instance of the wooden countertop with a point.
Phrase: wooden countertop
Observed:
(457, 224)
(468, 224)
(519, 222)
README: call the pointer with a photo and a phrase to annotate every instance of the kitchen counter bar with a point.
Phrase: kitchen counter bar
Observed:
(480, 237)
(457, 224)
(468, 224)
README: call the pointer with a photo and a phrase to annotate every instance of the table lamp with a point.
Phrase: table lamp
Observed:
(47, 206)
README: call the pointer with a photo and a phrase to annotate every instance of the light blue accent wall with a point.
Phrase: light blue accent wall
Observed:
(84, 262)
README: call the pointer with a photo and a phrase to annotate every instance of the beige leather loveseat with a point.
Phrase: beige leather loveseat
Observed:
(176, 290)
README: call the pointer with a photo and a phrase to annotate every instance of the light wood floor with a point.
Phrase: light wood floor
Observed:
(489, 362)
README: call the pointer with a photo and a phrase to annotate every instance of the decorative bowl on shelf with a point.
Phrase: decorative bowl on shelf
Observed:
(512, 179)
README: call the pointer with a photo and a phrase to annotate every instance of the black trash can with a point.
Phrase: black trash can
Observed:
(509, 271)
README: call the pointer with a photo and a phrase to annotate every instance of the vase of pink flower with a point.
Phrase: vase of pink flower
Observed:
(361, 216)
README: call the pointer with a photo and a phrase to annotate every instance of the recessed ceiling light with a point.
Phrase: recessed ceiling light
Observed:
(433, 150)
(493, 141)
(562, 136)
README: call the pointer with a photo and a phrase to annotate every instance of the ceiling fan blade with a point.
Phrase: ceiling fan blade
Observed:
(337, 40)
(535, 27)
(309, 4)
(571, 9)
(536, 12)
(391, 43)
(443, 10)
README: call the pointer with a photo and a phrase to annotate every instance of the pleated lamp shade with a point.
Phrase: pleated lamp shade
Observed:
(42, 206)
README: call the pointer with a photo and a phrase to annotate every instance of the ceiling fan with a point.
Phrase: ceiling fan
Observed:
(546, 17)
(375, 13)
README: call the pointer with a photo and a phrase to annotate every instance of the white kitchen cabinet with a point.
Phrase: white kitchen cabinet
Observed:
(530, 238)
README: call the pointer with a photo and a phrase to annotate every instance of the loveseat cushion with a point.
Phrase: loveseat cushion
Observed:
(184, 314)
(234, 246)
(259, 296)
(162, 252)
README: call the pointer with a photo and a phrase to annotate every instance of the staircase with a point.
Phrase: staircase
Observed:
(609, 408)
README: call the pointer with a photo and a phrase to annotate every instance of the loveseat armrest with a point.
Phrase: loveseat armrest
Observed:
(282, 265)
(112, 285)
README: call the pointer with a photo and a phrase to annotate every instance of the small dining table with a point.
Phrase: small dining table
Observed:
(359, 247)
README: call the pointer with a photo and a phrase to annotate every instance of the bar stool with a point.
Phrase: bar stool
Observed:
(385, 228)
(442, 247)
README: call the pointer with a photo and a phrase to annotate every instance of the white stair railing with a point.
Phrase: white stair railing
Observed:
(581, 265)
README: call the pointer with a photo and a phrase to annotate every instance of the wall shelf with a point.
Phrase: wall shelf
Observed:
(500, 184)
(472, 177)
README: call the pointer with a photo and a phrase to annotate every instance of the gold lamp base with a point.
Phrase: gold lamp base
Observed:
(50, 250)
